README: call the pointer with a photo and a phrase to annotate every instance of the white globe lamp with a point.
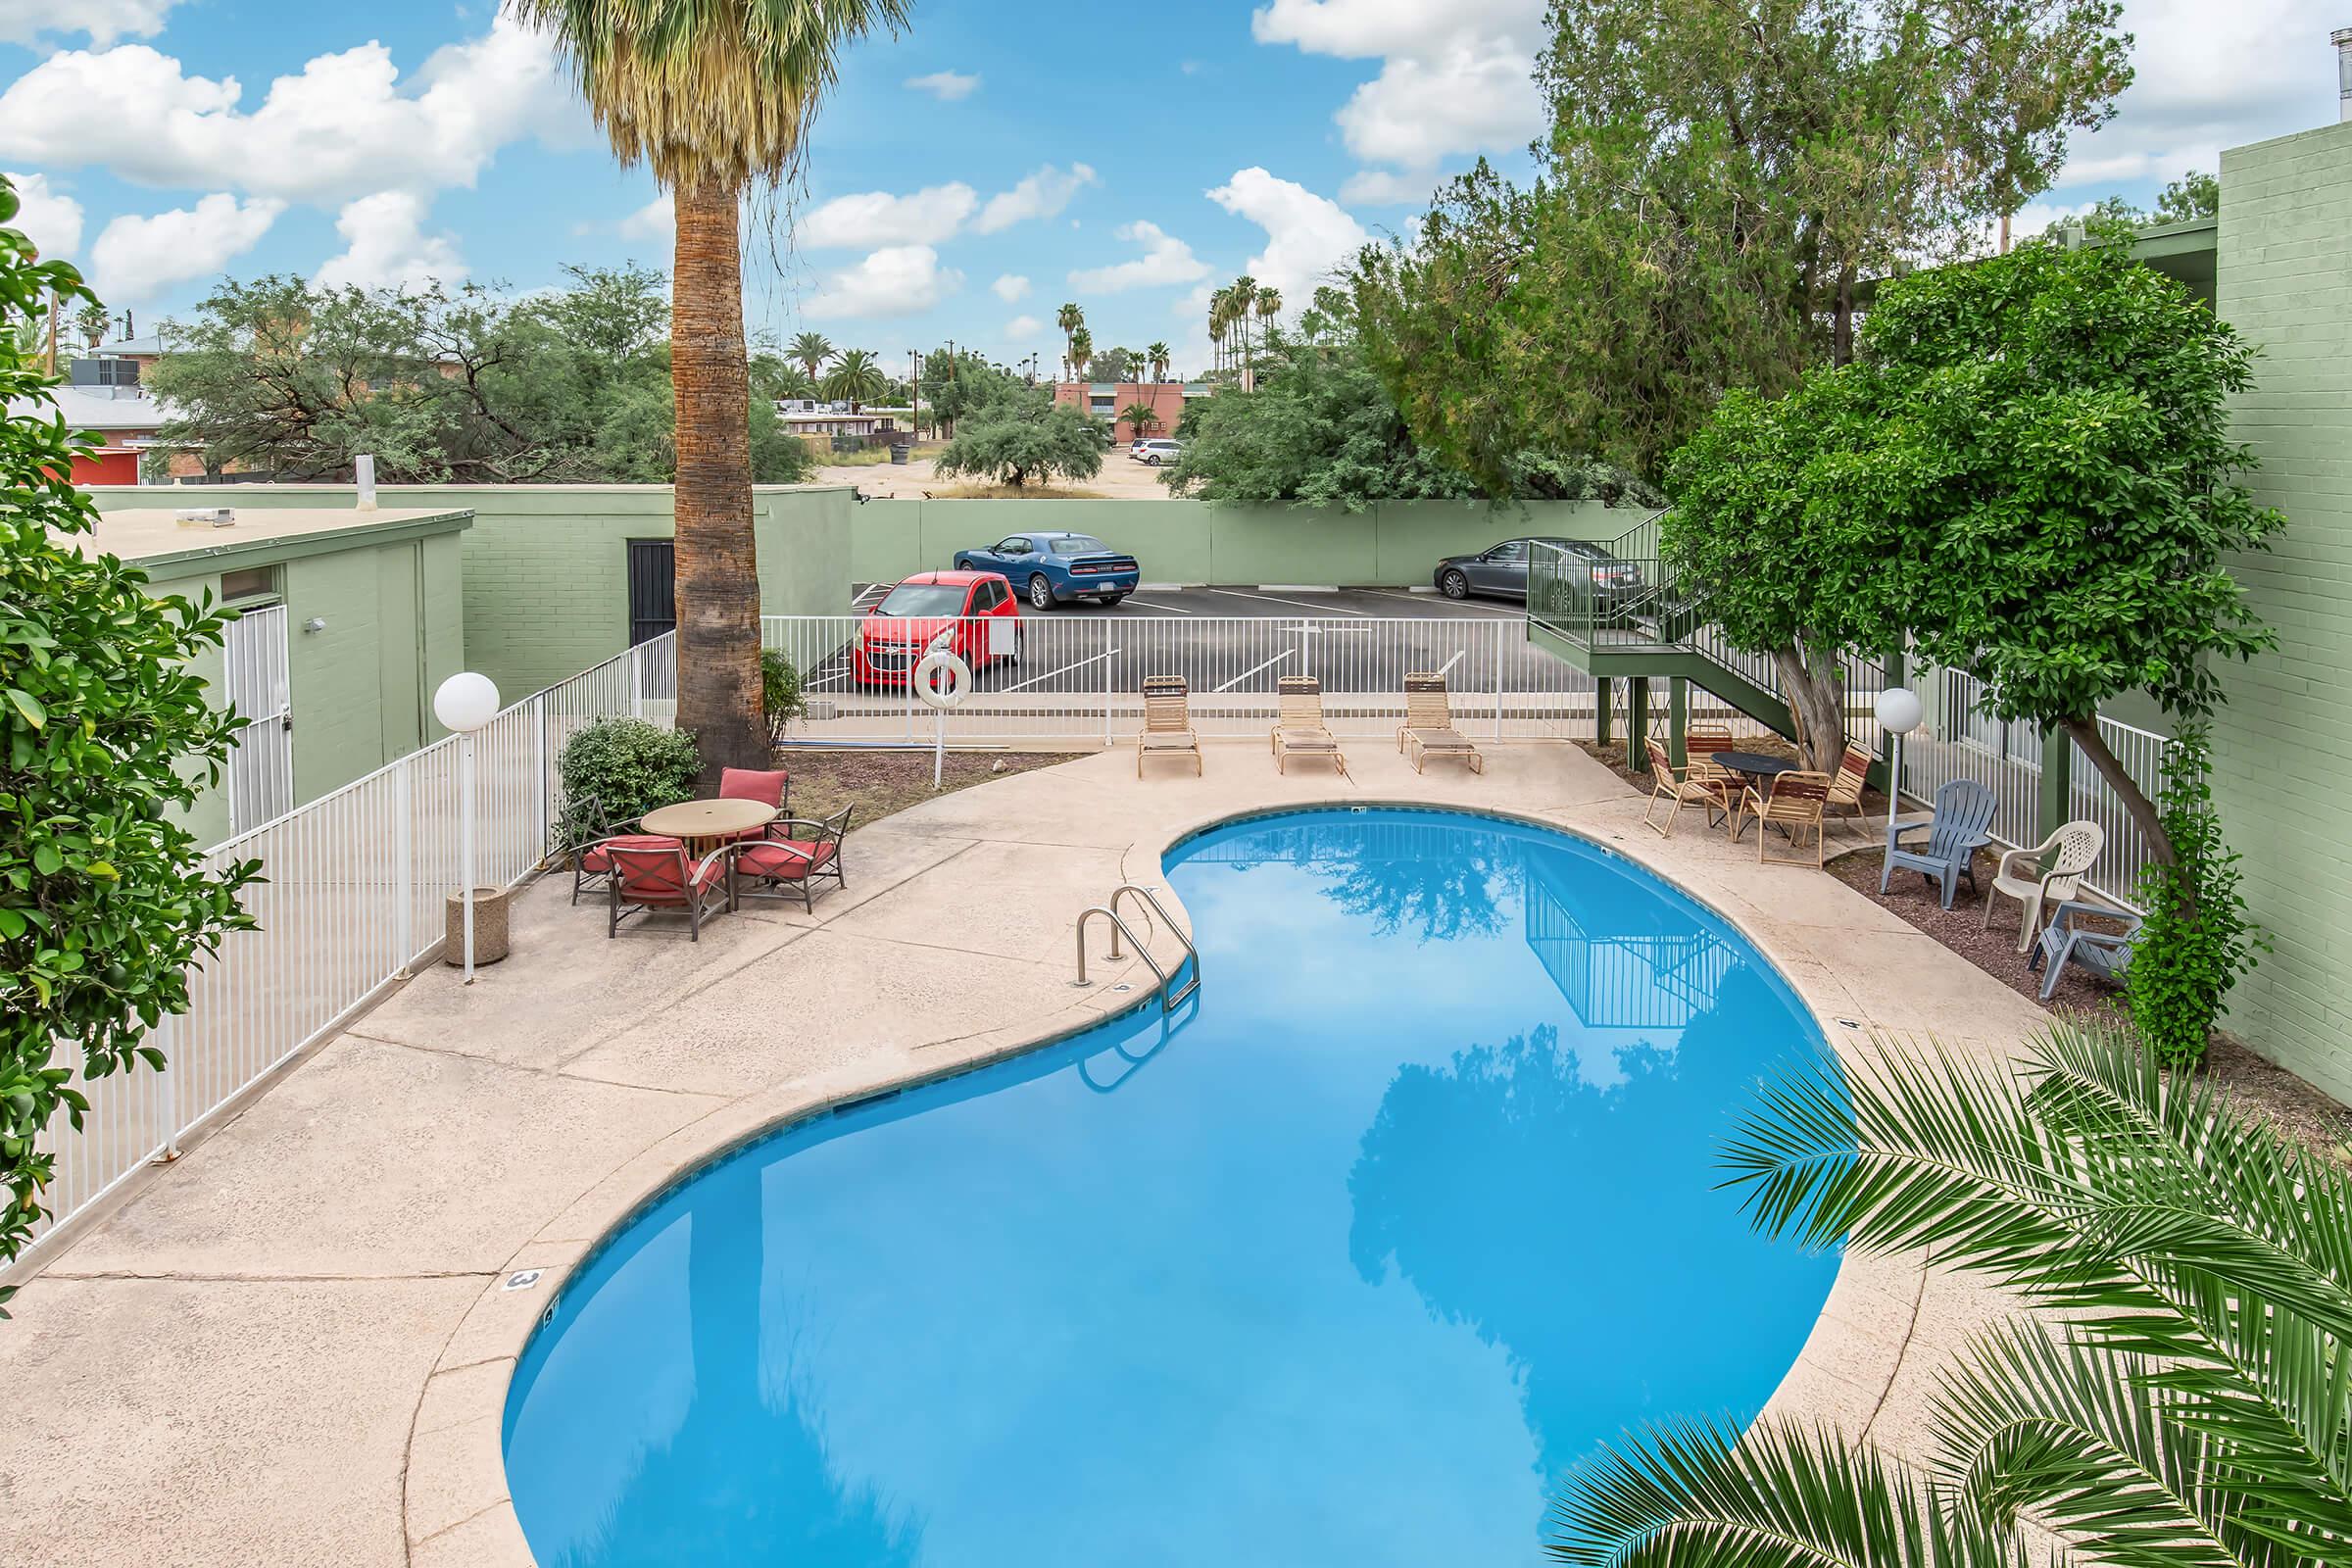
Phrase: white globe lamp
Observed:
(1899, 712)
(463, 704)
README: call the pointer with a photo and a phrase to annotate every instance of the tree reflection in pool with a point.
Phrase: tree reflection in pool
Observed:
(1409, 1209)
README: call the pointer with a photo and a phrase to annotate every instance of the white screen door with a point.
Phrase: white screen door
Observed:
(261, 771)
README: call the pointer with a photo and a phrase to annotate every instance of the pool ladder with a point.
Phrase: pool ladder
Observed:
(1169, 1000)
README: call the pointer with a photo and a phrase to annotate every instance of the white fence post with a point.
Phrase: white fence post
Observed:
(637, 681)
(1107, 686)
(403, 868)
(539, 805)
(1502, 644)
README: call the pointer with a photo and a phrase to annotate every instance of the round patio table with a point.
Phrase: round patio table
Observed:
(1754, 765)
(704, 825)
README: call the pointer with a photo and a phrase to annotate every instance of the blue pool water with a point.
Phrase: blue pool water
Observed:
(1413, 1207)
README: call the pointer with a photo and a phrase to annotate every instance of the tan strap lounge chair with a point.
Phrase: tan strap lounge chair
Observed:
(1793, 805)
(1301, 731)
(1167, 721)
(1428, 730)
(1697, 784)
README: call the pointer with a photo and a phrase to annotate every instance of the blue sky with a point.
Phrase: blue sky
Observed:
(964, 180)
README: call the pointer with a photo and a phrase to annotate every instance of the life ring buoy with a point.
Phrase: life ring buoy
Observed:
(941, 679)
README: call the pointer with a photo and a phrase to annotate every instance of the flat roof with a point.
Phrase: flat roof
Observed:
(153, 536)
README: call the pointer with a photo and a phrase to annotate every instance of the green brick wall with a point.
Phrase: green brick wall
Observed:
(2283, 743)
(1390, 544)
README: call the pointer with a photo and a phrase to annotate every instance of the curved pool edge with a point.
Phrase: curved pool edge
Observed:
(1843, 1374)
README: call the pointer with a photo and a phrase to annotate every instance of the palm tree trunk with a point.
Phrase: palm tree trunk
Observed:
(719, 695)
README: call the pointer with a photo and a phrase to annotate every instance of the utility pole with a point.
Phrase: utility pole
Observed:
(914, 390)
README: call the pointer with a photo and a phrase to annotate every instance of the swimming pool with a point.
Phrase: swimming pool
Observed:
(1408, 1209)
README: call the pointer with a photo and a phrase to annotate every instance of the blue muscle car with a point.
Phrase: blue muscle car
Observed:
(1051, 568)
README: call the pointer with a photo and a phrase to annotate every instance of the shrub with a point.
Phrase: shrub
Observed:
(105, 737)
(2196, 939)
(629, 767)
(781, 685)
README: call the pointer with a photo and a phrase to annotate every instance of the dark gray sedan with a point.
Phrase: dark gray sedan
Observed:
(1500, 571)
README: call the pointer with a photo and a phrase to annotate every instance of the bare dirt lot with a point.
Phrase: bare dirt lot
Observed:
(1122, 479)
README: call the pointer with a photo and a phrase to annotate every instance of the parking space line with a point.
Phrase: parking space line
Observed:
(1288, 653)
(1458, 603)
(1277, 599)
(1091, 659)
(1175, 609)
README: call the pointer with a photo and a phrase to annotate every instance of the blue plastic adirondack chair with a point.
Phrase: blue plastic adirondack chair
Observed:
(2106, 955)
(1960, 827)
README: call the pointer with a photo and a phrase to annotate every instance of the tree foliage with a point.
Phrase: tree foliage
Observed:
(103, 733)
(2180, 1396)
(2196, 940)
(287, 380)
(1716, 183)
(1023, 435)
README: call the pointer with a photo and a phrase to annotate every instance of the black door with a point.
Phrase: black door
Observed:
(652, 589)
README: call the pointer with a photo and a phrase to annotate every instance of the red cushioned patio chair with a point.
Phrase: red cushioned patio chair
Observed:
(796, 854)
(657, 874)
(769, 786)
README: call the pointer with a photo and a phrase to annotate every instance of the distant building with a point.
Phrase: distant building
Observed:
(1108, 399)
(123, 417)
(822, 425)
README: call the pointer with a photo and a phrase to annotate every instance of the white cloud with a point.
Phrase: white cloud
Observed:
(1165, 260)
(1386, 187)
(944, 85)
(1366, 29)
(103, 20)
(1308, 236)
(47, 216)
(1012, 286)
(1043, 194)
(342, 127)
(386, 246)
(897, 281)
(1023, 327)
(877, 217)
(136, 256)
(656, 220)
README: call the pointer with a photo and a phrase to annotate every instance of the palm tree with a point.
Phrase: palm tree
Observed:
(1070, 318)
(713, 95)
(1269, 305)
(1158, 352)
(811, 350)
(856, 378)
(1140, 417)
(1082, 353)
(1243, 295)
(1220, 320)
(2182, 1396)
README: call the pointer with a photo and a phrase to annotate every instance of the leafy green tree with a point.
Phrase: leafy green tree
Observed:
(1717, 182)
(1024, 436)
(2196, 940)
(954, 385)
(2195, 194)
(2178, 1397)
(104, 734)
(2029, 474)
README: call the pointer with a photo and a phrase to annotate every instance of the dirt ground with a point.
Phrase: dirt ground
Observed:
(2276, 1096)
(1122, 479)
(824, 780)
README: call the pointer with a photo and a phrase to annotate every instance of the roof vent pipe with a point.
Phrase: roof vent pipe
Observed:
(2342, 39)
(363, 471)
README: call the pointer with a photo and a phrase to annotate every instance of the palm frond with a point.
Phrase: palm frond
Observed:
(1783, 1497)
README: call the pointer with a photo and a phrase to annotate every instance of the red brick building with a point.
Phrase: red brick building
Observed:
(1109, 400)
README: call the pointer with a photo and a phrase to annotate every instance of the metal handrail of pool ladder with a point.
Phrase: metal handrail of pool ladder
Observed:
(1170, 1001)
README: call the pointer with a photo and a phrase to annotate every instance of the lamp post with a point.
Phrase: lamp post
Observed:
(463, 704)
(1899, 713)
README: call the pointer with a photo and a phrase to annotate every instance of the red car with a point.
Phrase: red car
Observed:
(978, 605)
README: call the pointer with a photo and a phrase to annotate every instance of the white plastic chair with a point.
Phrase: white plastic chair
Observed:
(2046, 875)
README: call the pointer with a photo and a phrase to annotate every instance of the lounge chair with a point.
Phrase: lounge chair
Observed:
(2048, 874)
(659, 876)
(1793, 803)
(1698, 783)
(1700, 744)
(1961, 826)
(1301, 730)
(2105, 953)
(1853, 772)
(793, 856)
(1167, 721)
(1428, 729)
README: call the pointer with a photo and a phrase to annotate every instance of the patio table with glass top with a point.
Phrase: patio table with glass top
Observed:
(1756, 767)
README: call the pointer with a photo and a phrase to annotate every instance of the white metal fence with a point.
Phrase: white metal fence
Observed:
(354, 895)
(256, 683)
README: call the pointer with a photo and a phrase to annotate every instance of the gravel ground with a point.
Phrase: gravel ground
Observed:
(824, 780)
(2297, 1109)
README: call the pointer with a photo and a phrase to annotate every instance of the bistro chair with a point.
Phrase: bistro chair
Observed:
(1301, 729)
(770, 787)
(1697, 784)
(1793, 805)
(646, 876)
(793, 857)
(1853, 772)
(1428, 729)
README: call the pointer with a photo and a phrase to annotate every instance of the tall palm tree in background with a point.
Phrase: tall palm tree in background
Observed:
(856, 378)
(1220, 320)
(1243, 295)
(1159, 361)
(1070, 318)
(810, 351)
(2181, 1395)
(1082, 353)
(713, 95)
(1269, 305)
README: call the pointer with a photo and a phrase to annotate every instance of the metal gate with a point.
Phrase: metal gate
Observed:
(652, 589)
(261, 771)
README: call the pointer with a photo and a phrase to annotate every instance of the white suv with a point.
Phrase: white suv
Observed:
(1160, 450)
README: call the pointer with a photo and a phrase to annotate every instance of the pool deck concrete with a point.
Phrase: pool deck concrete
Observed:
(293, 1345)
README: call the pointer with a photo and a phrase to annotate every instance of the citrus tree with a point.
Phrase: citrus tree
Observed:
(104, 734)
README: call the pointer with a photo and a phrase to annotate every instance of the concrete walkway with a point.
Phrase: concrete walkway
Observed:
(292, 1346)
